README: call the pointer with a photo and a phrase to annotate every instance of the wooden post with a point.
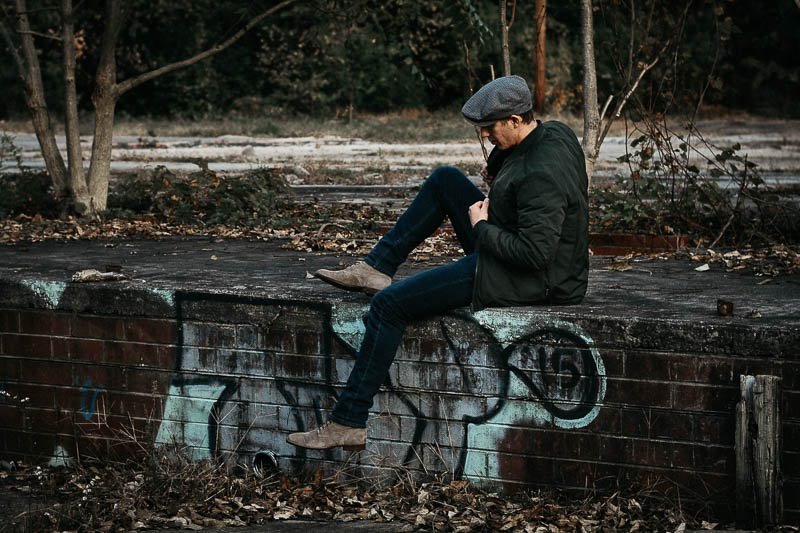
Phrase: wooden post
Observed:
(759, 495)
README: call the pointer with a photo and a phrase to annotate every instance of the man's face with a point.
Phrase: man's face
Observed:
(501, 134)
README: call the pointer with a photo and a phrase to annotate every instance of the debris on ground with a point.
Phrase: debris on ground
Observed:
(169, 492)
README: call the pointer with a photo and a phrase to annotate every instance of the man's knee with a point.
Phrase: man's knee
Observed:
(443, 177)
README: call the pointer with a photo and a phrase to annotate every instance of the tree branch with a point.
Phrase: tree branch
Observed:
(42, 35)
(621, 104)
(127, 85)
(13, 49)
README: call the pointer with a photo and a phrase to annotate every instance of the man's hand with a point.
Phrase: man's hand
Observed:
(479, 211)
(487, 178)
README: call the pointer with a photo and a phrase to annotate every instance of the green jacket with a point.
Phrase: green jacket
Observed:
(535, 246)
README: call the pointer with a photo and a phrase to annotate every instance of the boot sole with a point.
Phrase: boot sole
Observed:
(369, 291)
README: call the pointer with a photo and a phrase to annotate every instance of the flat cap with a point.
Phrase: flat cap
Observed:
(497, 100)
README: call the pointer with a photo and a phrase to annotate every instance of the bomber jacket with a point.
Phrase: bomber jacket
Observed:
(535, 246)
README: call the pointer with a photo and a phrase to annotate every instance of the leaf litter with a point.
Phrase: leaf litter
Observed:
(170, 491)
(351, 229)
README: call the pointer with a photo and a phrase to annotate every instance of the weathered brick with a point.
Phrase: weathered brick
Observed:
(384, 428)
(703, 398)
(47, 419)
(308, 342)
(444, 434)
(29, 346)
(156, 331)
(108, 377)
(304, 366)
(280, 339)
(613, 362)
(59, 347)
(659, 453)
(249, 337)
(143, 408)
(342, 368)
(526, 469)
(713, 429)
(9, 370)
(396, 402)
(791, 404)
(9, 321)
(715, 458)
(149, 381)
(255, 363)
(791, 495)
(46, 372)
(582, 474)
(44, 323)
(638, 393)
(89, 350)
(660, 366)
(93, 327)
(791, 436)
(34, 394)
(444, 406)
(657, 423)
(608, 421)
(434, 350)
(10, 415)
(135, 354)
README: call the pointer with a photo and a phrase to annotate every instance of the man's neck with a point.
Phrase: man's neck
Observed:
(525, 130)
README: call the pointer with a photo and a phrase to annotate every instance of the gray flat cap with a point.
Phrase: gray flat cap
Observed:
(497, 100)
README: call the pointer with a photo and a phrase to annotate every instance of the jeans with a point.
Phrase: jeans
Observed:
(446, 193)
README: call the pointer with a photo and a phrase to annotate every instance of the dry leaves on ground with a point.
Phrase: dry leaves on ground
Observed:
(176, 493)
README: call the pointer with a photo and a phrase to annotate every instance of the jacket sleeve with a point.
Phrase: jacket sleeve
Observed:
(541, 209)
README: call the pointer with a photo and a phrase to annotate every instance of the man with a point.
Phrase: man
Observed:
(527, 243)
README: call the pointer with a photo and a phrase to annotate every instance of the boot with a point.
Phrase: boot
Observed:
(330, 435)
(357, 277)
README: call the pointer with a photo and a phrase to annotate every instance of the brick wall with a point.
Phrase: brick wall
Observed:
(514, 398)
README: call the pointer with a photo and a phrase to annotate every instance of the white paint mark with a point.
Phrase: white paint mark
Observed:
(49, 291)
(60, 458)
(167, 295)
(186, 417)
(347, 321)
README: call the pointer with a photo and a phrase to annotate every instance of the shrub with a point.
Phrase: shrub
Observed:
(203, 197)
(24, 191)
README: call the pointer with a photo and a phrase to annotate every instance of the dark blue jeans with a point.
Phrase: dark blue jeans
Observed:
(446, 193)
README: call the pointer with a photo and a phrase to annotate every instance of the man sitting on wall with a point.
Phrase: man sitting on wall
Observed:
(527, 243)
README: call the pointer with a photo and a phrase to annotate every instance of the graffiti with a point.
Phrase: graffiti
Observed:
(510, 370)
(49, 292)
(89, 395)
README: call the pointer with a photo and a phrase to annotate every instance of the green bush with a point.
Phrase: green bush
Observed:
(203, 197)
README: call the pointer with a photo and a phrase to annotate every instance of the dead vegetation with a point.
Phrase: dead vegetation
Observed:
(166, 490)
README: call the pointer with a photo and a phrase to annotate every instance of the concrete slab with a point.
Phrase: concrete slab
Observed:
(666, 290)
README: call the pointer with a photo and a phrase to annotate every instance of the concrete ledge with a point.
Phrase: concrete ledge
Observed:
(225, 347)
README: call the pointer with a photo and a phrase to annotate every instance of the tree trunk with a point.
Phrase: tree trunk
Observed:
(591, 112)
(34, 98)
(77, 183)
(104, 99)
(504, 39)
(541, 30)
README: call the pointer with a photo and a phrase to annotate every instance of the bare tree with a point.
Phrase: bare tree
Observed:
(31, 75)
(505, 25)
(593, 117)
(90, 193)
(539, 55)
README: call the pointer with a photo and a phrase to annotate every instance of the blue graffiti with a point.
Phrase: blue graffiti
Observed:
(89, 396)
